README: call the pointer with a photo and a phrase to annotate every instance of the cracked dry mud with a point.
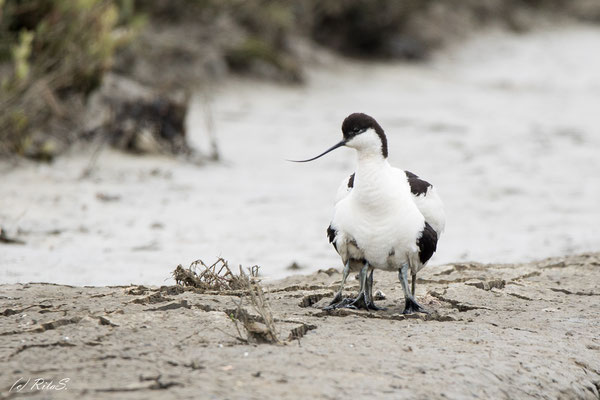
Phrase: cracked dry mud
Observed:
(494, 331)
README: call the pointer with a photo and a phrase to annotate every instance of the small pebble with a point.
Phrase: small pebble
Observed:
(379, 295)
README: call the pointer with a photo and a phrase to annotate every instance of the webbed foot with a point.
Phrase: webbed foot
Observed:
(411, 306)
(338, 302)
(338, 297)
(359, 303)
(355, 304)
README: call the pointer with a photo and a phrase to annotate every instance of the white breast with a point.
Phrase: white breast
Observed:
(378, 217)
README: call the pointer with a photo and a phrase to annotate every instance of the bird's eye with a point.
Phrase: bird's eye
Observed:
(355, 130)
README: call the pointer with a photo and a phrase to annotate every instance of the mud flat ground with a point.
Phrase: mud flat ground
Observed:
(494, 331)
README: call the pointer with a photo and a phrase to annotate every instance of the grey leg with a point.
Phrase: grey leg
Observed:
(414, 283)
(338, 299)
(361, 280)
(370, 303)
(410, 304)
(361, 300)
(402, 276)
(369, 288)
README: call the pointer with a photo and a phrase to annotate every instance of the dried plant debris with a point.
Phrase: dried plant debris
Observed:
(250, 329)
(260, 329)
(217, 276)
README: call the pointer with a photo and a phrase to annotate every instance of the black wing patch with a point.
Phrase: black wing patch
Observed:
(427, 243)
(410, 175)
(417, 185)
(331, 234)
(351, 181)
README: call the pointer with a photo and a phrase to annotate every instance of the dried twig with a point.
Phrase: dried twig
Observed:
(258, 329)
(260, 306)
(218, 276)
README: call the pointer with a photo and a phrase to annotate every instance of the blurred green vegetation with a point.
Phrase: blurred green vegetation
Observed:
(54, 53)
(52, 50)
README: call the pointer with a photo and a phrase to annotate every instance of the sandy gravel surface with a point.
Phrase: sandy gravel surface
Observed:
(495, 331)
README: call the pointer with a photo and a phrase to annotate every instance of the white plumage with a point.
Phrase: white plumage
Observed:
(379, 216)
(428, 202)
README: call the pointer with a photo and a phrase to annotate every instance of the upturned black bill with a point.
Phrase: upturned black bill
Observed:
(340, 144)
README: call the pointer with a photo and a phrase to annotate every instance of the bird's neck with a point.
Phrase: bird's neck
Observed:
(376, 184)
(371, 175)
(370, 161)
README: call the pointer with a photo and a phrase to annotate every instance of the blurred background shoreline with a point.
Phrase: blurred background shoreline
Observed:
(55, 56)
(494, 102)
